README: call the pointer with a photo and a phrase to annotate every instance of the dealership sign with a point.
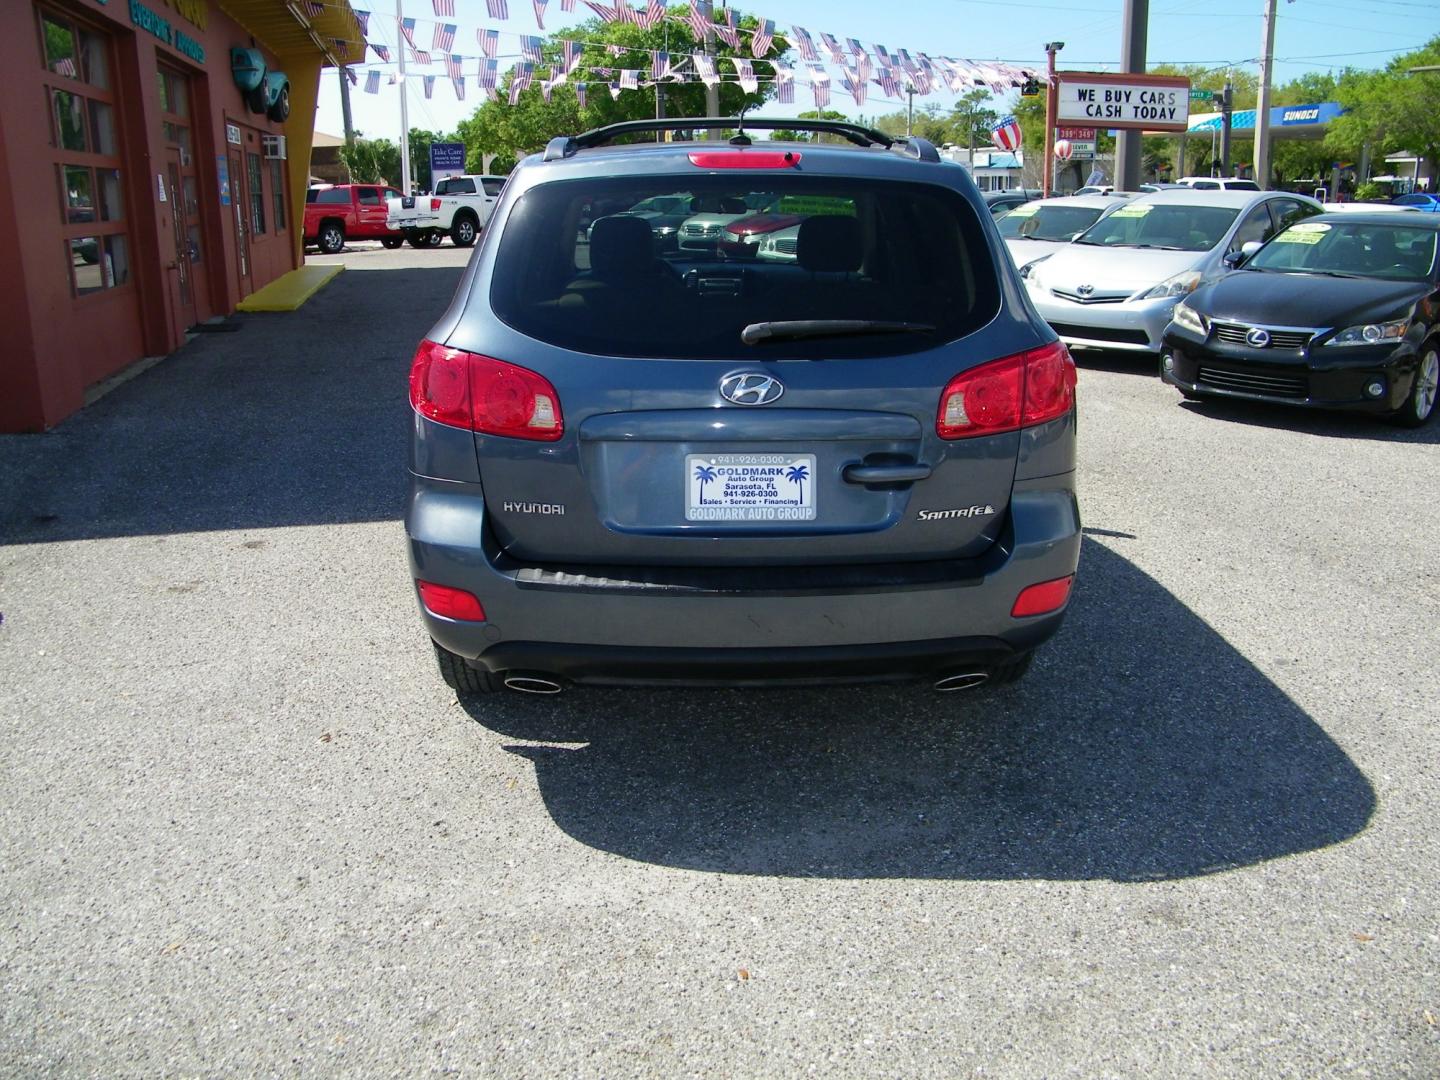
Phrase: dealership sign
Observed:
(1135, 102)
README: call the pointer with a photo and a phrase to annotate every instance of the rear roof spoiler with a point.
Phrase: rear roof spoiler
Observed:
(564, 146)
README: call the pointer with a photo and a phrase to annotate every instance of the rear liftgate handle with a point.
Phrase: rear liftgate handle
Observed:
(886, 474)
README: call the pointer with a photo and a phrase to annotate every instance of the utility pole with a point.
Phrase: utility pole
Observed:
(345, 106)
(404, 109)
(1132, 61)
(1052, 106)
(1227, 108)
(910, 109)
(660, 91)
(1262, 105)
(712, 93)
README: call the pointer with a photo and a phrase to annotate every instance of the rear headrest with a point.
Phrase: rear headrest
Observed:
(829, 243)
(621, 247)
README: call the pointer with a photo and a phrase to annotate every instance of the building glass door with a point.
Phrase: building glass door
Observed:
(184, 196)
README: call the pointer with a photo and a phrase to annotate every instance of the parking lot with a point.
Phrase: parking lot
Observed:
(247, 830)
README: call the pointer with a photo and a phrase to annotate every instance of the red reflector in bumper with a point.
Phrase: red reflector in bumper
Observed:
(745, 159)
(1043, 598)
(450, 603)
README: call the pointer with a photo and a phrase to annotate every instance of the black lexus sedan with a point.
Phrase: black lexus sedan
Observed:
(1339, 311)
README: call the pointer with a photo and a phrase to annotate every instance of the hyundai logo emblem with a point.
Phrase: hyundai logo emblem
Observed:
(1085, 290)
(1257, 338)
(750, 388)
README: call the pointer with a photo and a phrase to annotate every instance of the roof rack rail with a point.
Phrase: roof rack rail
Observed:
(564, 146)
(916, 147)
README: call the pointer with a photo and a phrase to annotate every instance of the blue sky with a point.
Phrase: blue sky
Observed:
(1310, 35)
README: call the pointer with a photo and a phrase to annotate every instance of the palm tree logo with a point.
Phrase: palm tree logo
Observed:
(797, 474)
(705, 474)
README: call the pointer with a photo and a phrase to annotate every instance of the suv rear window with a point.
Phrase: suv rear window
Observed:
(591, 266)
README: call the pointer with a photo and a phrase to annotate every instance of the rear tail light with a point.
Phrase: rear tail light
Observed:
(434, 204)
(1016, 391)
(450, 603)
(467, 390)
(1043, 598)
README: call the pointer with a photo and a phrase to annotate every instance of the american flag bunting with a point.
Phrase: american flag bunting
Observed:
(363, 18)
(444, 39)
(428, 82)
(580, 91)
(571, 52)
(651, 16)
(705, 67)
(452, 66)
(498, 9)
(458, 82)
(836, 53)
(444, 9)
(728, 30)
(762, 38)
(488, 71)
(608, 13)
(746, 70)
(539, 6)
(372, 82)
(629, 79)
(350, 74)
(314, 8)
(820, 84)
(659, 66)
(421, 57)
(382, 51)
(530, 48)
(407, 31)
(489, 42)
(854, 84)
(699, 24)
(805, 43)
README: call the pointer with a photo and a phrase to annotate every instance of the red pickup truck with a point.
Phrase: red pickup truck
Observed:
(339, 212)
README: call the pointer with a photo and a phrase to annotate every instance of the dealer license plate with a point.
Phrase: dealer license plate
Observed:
(750, 487)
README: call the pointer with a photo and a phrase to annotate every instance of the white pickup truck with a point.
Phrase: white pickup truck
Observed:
(459, 208)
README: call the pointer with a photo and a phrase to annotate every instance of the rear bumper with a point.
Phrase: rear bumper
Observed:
(640, 624)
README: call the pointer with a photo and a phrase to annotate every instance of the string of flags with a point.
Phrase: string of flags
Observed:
(893, 73)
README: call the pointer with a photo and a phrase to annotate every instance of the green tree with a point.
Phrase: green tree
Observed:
(372, 161)
(1392, 110)
(814, 136)
(497, 127)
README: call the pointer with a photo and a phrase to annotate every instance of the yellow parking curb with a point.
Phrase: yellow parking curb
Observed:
(289, 291)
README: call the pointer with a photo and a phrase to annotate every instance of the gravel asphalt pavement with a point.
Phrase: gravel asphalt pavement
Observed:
(246, 831)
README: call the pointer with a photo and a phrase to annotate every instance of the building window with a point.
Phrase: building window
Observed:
(257, 195)
(84, 155)
(277, 191)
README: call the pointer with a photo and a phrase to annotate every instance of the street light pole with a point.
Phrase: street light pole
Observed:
(1052, 105)
(712, 93)
(1132, 60)
(1262, 106)
(404, 110)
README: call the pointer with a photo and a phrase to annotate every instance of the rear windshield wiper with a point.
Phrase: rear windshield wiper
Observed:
(759, 332)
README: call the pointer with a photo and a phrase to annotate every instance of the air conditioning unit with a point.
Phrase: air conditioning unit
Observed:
(274, 146)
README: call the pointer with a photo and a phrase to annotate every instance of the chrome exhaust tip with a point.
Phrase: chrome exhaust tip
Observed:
(967, 680)
(533, 684)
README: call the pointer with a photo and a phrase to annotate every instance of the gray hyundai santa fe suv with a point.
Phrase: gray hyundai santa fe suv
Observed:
(637, 464)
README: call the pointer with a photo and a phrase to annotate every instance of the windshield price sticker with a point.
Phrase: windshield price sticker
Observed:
(1025, 210)
(1133, 211)
(750, 487)
(1306, 232)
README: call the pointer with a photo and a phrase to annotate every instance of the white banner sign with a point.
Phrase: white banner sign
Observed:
(1120, 101)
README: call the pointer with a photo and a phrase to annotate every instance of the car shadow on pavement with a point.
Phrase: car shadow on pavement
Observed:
(1330, 425)
(299, 418)
(1141, 746)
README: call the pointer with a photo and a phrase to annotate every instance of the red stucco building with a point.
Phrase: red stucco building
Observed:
(140, 191)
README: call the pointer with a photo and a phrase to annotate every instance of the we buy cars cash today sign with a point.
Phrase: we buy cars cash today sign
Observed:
(1136, 102)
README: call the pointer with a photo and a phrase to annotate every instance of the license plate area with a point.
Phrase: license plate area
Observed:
(750, 487)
